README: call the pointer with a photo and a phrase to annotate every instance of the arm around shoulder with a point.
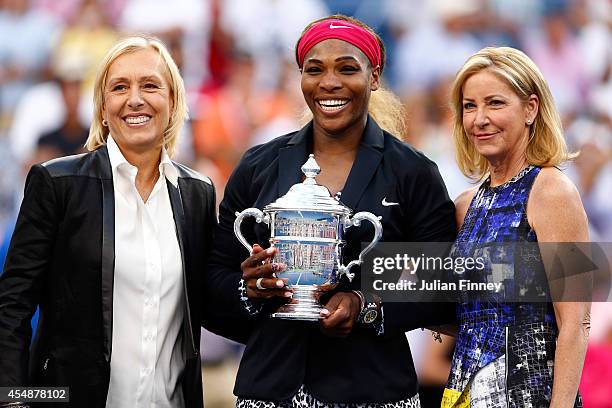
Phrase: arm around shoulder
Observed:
(226, 315)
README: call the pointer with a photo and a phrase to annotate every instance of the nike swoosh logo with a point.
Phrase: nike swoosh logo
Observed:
(388, 203)
(332, 26)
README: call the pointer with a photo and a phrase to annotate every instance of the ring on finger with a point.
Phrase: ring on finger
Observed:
(258, 284)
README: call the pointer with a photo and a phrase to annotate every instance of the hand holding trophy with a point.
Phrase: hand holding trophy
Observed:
(307, 226)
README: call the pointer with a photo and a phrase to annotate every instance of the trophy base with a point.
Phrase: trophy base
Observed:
(309, 316)
(304, 305)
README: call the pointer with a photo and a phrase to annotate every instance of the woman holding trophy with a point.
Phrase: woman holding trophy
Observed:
(357, 355)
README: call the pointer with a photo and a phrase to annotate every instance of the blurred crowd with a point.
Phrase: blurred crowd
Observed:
(237, 60)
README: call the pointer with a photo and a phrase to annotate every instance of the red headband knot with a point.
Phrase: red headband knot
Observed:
(341, 30)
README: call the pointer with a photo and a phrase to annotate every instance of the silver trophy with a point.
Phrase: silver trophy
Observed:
(307, 226)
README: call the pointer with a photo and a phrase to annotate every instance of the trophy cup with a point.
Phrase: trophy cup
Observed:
(307, 226)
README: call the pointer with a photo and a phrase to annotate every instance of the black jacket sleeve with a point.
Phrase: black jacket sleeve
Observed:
(431, 219)
(227, 253)
(25, 268)
(221, 313)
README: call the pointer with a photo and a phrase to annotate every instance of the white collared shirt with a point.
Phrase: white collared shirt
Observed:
(147, 357)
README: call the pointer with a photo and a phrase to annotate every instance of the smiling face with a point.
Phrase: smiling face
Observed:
(137, 100)
(495, 119)
(336, 82)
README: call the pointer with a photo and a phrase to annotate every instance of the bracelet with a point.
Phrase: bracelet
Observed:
(251, 309)
(361, 299)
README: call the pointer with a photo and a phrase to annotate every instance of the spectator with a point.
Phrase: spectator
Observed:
(282, 22)
(24, 58)
(88, 36)
(555, 50)
(70, 137)
(47, 100)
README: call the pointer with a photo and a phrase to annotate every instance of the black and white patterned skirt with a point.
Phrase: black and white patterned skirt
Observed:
(303, 399)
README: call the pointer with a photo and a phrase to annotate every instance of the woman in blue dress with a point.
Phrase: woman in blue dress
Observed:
(508, 135)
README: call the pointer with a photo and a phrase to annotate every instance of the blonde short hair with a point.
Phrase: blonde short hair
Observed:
(546, 145)
(98, 133)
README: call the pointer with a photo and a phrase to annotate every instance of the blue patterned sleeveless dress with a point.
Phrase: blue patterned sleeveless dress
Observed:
(504, 353)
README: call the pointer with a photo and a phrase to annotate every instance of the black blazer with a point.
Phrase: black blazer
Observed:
(282, 355)
(61, 257)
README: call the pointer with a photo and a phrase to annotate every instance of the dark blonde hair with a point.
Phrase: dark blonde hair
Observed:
(546, 145)
(384, 106)
(98, 133)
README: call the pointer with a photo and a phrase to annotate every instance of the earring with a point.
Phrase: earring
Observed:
(104, 123)
(529, 122)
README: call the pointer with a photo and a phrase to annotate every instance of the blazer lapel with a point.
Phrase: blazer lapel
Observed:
(368, 158)
(108, 249)
(176, 202)
(179, 220)
(296, 151)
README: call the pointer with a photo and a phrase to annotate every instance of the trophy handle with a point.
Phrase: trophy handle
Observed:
(356, 221)
(240, 216)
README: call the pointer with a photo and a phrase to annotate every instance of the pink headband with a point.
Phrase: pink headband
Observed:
(341, 30)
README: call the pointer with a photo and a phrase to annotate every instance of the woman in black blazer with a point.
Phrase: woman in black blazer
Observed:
(111, 245)
(353, 137)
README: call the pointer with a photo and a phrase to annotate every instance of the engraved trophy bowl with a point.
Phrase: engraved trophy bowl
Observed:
(307, 226)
